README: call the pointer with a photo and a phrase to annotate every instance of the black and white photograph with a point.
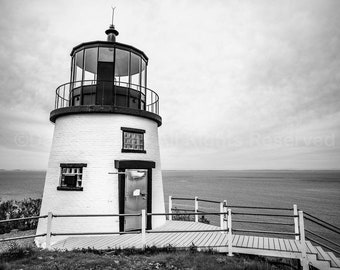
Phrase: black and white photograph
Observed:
(145, 134)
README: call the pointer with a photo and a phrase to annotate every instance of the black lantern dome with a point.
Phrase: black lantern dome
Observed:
(107, 76)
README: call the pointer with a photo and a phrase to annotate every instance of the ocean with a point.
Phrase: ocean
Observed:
(316, 192)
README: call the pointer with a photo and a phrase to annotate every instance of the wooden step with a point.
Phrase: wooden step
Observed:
(311, 248)
(335, 261)
(322, 255)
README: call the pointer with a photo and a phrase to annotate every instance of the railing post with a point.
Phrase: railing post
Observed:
(170, 207)
(143, 228)
(48, 230)
(225, 216)
(230, 235)
(196, 208)
(221, 216)
(296, 222)
(304, 261)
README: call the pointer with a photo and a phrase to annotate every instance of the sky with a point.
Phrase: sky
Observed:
(243, 85)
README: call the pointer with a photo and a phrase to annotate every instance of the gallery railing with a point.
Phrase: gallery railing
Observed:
(112, 93)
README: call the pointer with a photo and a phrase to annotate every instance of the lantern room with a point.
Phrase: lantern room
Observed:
(107, 76)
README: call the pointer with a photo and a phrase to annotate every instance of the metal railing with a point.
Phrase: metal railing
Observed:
(226, 219)
(255, 218)
(114, 93)
(323, 241)
(21, 219)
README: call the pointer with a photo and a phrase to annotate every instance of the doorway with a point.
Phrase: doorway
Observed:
(135, 192)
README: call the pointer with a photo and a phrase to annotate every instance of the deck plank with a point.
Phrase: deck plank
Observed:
(235, 239)
(294, 245)
(197, 237)
(287, 244)
(261, 242)
(256, 242)
(176, 240)
(222, 240)
(282, 245)
(277, 244)
(250, 242)
(266, 242)
(271, 243)
(213, 240)
(240, 241)
(245, 241)
(189, 240)
(158, 239)
(203, 239)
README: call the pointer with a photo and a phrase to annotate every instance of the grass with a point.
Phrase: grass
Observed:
(21, 257)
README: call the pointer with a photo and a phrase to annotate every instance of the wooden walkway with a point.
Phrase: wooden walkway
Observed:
(265, 246)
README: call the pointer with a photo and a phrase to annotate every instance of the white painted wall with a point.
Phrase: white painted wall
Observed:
(95, 139)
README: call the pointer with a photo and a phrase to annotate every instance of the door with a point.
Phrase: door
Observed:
(105, 84)
(136, 181)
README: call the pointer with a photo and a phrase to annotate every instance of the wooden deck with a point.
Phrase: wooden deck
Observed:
(265, 246)
(181, 239)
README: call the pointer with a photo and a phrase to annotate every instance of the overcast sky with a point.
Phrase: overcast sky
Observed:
(242, 84)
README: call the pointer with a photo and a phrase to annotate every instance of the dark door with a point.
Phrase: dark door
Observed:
(105, 84)
(134, 196)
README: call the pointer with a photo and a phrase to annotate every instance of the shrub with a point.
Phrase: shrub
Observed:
(185, 217)
(19, 209)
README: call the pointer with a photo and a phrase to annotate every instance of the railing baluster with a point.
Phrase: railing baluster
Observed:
(170, 207)
(48, 230)
(196, 209)
(143, 228)
(225, 216)
(304, 261)
(230, 235)
(221, 216)
(296, 221)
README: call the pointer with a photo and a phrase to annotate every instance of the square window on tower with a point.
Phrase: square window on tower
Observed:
(71, 176)
(133, 140)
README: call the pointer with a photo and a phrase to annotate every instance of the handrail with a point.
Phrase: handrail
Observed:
(323, 238)
(185, 231)
(268, 232)
(94, 233)
(182, 209)
(260, 207)
(21, 219)
(322, 225)
(99, 215)
(323, 245)
(209, 201)
(329, 224)
(263, 214)
(234, 206)
(182, 199)
(22, 237)
(190, 213)
(263, 222)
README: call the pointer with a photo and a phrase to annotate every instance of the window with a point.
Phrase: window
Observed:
(71, 176)
(133, 140)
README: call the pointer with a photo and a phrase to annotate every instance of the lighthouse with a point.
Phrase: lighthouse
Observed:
(105, 156)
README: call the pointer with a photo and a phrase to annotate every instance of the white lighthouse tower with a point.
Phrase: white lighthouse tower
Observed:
(105, 155)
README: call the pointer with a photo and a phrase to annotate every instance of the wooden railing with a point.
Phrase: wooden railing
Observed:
(225, 213)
